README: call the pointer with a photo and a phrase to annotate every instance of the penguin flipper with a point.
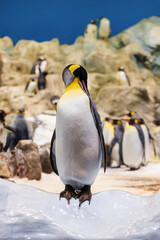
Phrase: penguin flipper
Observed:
(152, 140)
(113, 142)
(52, 153)
(10, 142)
(141, 136)
(119, 135)
(98, 125)
(128, 80)
(27, 86)
(10, 128)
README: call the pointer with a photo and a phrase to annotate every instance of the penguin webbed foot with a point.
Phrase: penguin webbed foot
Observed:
(85, 195)
(68, 193)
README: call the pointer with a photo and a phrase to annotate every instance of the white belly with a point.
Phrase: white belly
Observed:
(78, 151)
(108, 133)
(104, 28)
(115, 156)
(91, 31)
(132, 148)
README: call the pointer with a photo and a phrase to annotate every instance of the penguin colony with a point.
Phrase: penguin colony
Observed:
(81, 144)
(127, 141)
(103, 30)
(38, 82)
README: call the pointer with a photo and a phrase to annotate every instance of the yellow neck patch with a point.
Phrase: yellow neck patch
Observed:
(72, 68)
(74, 85)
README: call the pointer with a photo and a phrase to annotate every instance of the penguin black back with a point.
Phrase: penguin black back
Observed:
(20, 131)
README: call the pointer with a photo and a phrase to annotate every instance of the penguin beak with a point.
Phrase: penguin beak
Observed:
(84, 86)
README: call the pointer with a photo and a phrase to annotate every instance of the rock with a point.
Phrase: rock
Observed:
(45, 158)
(28, 160)
(6, 44)
(117, 100)
(136, 49)
(4, 165)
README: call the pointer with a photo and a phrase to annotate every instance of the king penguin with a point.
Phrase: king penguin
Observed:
(148, 139)
(115, 147)
(123, 76)
(133, 144)
(108, 133)
(20, 128)
(104, 29)
(78, 137)
(39, 63)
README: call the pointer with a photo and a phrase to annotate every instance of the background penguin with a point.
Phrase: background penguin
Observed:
(122, 75)
(156, 133)
(108, 133)
(133, 115)
(20, 131)
(31, 87)
(4, 129)
(39, 63)
(147, 138)
(133, 144)
(104, 29)
(54, 101)
(91, 29)
(79, 147)
(115, 147)
(42, 80)
(3, 132)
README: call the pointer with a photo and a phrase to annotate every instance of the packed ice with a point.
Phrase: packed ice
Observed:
(29, 213)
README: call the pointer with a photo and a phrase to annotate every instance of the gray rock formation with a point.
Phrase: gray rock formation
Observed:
(136, 49)
(5, 165)
(28, 160)
(45, 158)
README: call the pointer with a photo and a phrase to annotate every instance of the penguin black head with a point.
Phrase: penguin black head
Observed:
(132, 121)
(141, 121)
(2, 115)
(41, 59)
(116, 121)
(94, 21)
(131, 114)
(107, 119)
(54, 99)
(121, 68)
(73, 71)
(45, 73)
(21, 111)
(156, 122)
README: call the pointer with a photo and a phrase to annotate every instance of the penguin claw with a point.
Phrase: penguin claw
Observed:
(85, 195)
(68, 193)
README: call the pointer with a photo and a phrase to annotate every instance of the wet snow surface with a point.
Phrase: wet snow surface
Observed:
(29, 213)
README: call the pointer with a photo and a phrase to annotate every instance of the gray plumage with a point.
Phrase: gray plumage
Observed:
(20, 131)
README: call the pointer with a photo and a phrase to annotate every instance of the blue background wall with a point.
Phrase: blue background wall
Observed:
(43, 20)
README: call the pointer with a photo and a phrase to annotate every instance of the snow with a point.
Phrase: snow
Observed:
(29, 213)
